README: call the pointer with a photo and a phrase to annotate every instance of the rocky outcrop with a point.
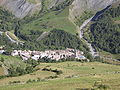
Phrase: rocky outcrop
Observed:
(79, 6)
(20, 8)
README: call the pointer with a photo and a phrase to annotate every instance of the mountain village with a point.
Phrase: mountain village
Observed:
(50, 54)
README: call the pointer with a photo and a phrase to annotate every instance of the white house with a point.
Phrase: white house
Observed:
(15, 53)
(80, 57)
(2, 51)
(24, 58)
(35, 57)
(43, 54)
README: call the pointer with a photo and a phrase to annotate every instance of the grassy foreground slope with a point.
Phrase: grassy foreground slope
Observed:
(109, 55)
(1, 71)
(10, 60)
(75, 76)
(50, 21)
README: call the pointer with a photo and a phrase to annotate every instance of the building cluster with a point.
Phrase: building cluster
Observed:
(51, 54)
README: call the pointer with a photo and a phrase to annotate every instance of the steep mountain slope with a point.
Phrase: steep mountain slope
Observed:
(79, 6)
(52, 3)
(106, 30)
(20, 8)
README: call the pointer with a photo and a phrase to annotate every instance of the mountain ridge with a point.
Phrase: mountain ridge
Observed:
(22, 8)
(80, 6)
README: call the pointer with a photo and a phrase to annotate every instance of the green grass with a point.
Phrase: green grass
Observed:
(75, 75)
(116, 18)
(12, 36)
(69, 84)
(1, 71)
(109, 55)
(33, 1)
(10, 60)
(50, 21)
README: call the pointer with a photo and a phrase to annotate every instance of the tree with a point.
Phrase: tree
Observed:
(2, 59)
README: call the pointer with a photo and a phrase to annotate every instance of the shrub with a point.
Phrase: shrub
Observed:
(14, 82)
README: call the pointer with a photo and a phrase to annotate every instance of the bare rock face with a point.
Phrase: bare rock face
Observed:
(20, 8)
(79, 6)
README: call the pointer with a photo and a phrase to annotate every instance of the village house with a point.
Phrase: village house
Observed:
(44, 54)
(35, 55)
(79, 55)
(15, 53)
(2, 51)
(25, 54)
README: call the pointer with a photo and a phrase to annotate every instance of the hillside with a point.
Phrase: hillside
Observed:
(50, 21)
(78, 7)
(24, 7)
(54, 14)
(21, 8)
(75, 75)
(106, 31)
(60, 44)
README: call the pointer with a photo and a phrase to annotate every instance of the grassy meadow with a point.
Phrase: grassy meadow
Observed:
(50, 21)
(109, 55)
(75, 76)
(10, 60)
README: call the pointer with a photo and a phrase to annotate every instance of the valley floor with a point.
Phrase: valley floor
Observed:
(75, 76)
